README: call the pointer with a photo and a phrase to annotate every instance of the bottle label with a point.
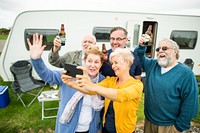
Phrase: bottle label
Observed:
(147, 39)
(62, 38)
(105, 57)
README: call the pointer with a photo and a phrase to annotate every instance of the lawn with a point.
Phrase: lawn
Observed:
(19, 119)
(3, 37)
(15, 118)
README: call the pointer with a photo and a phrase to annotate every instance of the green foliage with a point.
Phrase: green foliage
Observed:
(4, 31)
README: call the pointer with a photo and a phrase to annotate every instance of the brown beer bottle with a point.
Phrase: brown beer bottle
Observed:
(62, 34)
(148, 36)
(105, 52)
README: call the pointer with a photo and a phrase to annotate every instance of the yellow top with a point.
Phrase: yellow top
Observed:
(126, 104)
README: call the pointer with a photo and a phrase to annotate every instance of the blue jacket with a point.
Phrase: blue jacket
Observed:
(170, 98)
(54, 77)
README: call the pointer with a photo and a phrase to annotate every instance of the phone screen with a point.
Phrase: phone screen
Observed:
(72, 70)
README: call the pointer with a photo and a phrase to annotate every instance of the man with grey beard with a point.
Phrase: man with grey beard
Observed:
(171, 90)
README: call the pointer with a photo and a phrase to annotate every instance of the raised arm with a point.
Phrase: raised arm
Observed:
(36, 49)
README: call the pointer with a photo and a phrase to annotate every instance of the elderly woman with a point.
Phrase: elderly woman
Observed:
(78, 112)
(122, 93)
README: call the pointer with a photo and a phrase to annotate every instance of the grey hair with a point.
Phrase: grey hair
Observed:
(123, 54)
(174, 46)
(90, 35)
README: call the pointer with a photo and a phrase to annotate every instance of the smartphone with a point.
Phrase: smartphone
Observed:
(72, 70)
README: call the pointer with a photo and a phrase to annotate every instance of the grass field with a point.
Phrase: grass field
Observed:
(15, 118)
(3, 37)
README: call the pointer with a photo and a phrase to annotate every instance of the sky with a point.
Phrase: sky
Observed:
(10, 9)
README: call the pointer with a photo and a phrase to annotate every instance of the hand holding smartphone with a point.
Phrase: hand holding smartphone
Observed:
(72, 70)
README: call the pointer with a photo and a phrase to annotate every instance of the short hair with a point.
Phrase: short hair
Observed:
(124, 54)
(90, 35)
(174, 46)
(118, 28)
(94, 49)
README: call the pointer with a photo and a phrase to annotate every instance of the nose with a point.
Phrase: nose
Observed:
(92, 64)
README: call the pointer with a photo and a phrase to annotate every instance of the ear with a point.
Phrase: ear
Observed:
(175, 52)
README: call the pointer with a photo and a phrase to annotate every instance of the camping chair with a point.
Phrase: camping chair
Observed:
(24, 83)
(189, 62)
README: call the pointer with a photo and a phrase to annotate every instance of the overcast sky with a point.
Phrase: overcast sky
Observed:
(9, 9)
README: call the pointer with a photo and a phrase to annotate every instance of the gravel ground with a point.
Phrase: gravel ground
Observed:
(195, 128)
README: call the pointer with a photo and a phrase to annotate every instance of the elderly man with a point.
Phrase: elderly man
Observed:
(73, 57)
(171, 90)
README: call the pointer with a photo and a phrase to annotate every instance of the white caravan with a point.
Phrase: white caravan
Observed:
(184, 29)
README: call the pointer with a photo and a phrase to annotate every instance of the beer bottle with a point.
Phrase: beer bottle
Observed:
(105, 52)
(148, 36)
(62, 34)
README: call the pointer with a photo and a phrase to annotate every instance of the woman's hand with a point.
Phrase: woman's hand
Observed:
(69, 81)
(84, 81)
(36, 49)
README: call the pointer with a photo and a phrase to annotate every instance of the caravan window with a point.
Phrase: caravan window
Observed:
(102, 34)
(185, 39)
(48, 36)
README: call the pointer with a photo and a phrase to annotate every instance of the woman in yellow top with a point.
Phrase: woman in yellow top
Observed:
(122, 93)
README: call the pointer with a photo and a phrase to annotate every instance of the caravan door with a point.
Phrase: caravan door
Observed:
(136, 28)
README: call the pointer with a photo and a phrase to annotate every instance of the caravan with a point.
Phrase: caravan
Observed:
(184, 29)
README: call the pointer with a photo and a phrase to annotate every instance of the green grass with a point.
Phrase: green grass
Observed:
(140, 113)
(3, 37)
(16, 118)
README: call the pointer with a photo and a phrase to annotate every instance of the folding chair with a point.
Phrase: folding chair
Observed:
(24, 83)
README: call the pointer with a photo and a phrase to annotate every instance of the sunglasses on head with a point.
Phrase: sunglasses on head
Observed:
(163, 48)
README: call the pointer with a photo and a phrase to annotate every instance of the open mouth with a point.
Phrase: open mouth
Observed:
(162, 56)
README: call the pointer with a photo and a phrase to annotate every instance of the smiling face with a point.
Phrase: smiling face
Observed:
(93, 64)
(88, 40)
(166, 54)
(119, 66)
(118, 39)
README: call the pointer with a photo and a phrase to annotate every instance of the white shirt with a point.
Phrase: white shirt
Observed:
(86, 114)
(164, 70)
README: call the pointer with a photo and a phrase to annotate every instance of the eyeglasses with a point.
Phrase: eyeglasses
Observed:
(163, 48)
(117, 39)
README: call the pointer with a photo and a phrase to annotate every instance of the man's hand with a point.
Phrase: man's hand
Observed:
(142, 40)
(56, 44)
